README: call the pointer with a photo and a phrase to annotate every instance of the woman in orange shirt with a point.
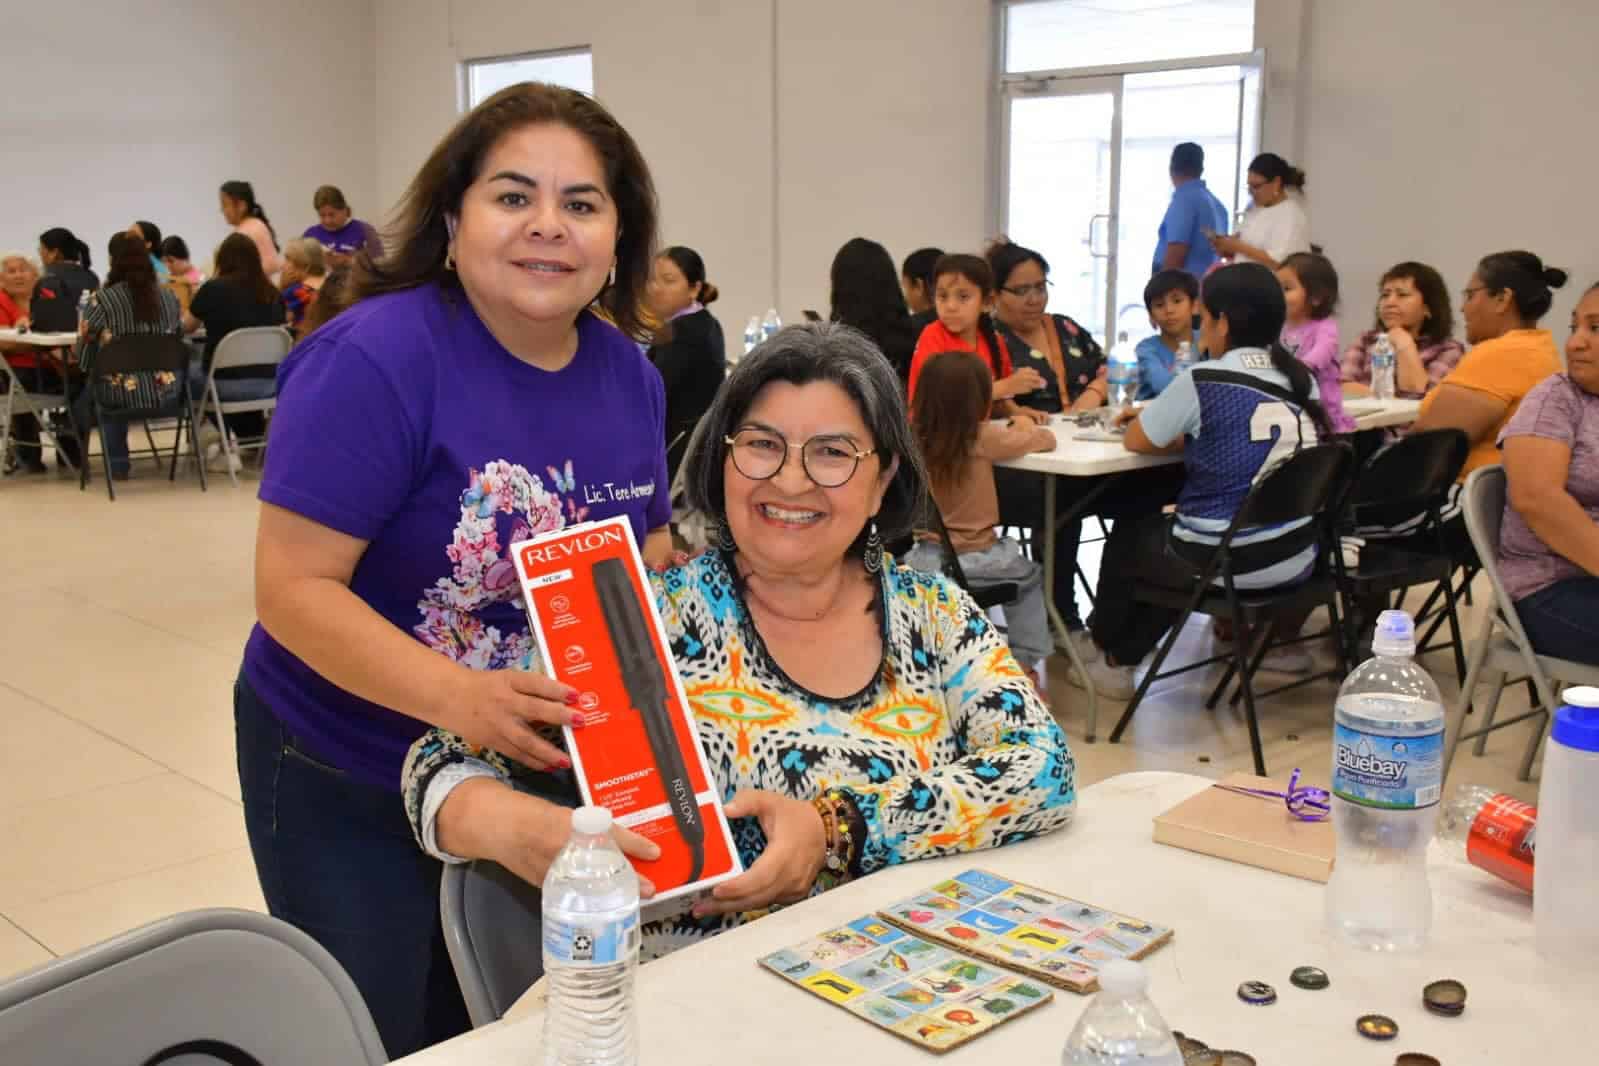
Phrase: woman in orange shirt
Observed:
(963, 294)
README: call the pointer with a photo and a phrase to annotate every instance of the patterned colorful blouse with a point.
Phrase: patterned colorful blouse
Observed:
(111, 314)
(948, 749)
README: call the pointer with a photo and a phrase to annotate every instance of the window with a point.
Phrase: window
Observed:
(482, 78)
(1067, 34)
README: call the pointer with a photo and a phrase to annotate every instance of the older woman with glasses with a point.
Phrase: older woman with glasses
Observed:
(857, 713)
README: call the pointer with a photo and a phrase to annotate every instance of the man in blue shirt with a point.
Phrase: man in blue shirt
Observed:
(1184, 242)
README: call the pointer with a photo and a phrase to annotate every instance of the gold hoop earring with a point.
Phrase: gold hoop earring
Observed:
(449, 261)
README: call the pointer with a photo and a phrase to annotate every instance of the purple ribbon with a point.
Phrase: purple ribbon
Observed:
(1307, 804)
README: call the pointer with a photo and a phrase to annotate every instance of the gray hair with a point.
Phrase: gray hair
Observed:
(306, 253)
(799, 355)
(24, 256)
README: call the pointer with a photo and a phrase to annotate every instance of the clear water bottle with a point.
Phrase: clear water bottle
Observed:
(591, 942)
(1185, 357)
(1387, 779)
(83, 305)
(1382, 367)
(1121, 376)
(1120, 1026)
(752, 334)
(770, 324)
(1492, 831)
(1565, 921)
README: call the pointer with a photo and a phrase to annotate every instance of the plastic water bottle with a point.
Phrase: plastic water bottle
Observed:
(1565, 922)
(1121, 377)
(1120, 1026)
(1492, 831)
(1382, 367)
(752, 334)
(591, 942)
(1387, 779)
(770, 324)
(1185, 357)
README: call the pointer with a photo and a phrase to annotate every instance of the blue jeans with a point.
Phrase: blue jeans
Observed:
(1562, 620)
(113, 434)
(336, 859)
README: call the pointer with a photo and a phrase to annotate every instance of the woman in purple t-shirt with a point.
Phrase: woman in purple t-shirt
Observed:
(1549, 549)
(468, 399)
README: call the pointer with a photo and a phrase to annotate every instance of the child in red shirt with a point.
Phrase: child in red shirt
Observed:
(963, 292)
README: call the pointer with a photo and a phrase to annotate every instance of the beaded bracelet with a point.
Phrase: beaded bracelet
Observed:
(839, 831)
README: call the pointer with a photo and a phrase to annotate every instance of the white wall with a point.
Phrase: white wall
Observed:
(1441, 131)
(141, 109)
(766, 159)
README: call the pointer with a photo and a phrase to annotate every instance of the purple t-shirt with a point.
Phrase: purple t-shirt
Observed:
(1315, 343)
(403, 422)
(1557, 409)
(347, 239)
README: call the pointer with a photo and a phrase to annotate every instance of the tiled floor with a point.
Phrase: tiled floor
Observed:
(121, 625)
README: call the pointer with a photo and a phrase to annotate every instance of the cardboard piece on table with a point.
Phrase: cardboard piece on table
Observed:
(592, 612)
(1254, 830)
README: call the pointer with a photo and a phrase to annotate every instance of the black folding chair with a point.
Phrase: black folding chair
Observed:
(1308, 485)
(152, 354)
(1414, 472)
(987, 596)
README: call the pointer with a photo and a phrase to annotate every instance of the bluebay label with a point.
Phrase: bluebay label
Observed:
(594, 943)
(1398, 773)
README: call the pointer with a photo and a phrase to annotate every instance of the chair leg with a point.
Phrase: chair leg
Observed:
(155, 453)
(1246, 680)
(1337, 629)
(105, 464)
(1493, 709)
(1479, 656)
(1453, 617)
(1088, 588)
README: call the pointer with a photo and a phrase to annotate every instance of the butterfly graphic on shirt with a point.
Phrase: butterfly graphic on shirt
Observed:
(563, 479)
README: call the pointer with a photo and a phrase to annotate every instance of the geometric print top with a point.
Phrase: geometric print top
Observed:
(947, 749)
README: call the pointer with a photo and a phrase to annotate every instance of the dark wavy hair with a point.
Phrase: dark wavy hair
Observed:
(130, 264)
(239, 262)
(951, 405)
(867, 296)
(1440, 322)
(1251, 297)
(63, 241)
(1272, 166)
(1319, 278)
(244, 192)
(975, 269)
(419, 238)
(1528, 281)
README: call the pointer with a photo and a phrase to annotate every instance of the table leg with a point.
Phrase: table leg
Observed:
(1062, 635)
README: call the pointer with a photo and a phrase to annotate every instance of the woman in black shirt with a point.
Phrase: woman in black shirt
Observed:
(689, 349)
(238, 296)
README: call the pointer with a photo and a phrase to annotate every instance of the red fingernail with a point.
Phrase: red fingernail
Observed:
(572, 698)
(578, 721)
(564, 763)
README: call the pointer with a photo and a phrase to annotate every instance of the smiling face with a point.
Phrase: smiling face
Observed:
(1293, 295)
(959, 303)
(1582, 347)
(333, 218)
(1400, 306)
(1173, 313)
(1023, 300)
(787, 524)
(668, 291)
(537, 233)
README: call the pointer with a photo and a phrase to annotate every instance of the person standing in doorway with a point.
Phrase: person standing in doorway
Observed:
(1192, 217)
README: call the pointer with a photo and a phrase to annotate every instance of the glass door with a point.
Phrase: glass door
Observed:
(1061, 187)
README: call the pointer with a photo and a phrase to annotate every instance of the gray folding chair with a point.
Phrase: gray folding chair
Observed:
(21, 401)
(1502, 645)
(259, 347)
(494, 928)
(196, 987)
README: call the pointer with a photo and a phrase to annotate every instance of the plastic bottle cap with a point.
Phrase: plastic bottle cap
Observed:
(1395, 635)
(1577, 723)
(591, 821)
(1123, 977)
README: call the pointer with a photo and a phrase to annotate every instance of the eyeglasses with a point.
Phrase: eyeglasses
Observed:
(829, 461)
(1022, 292)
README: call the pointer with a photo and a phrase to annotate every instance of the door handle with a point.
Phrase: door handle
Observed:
(1092, 230)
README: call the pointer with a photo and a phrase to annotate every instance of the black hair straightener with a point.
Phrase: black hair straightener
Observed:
(647, 694)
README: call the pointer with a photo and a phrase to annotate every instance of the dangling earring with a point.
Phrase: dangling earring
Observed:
(724, 537)
(873, 559)
(449, 261)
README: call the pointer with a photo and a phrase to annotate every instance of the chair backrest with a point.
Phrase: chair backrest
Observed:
(1305, 485)
(1415, 469)
(252, 346)
(1483, 506)
(143, 351)
(494, 929)
(228, 977)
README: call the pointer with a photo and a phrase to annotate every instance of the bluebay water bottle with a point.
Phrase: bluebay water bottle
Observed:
(770, 324)
(752, 334)
(1383, 363)
(1387, 779)
(1121, 376)
(591, 942)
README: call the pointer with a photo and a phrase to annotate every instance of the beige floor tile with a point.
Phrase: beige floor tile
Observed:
(45, 755)
(74, 920)
(111, 833)
(18, 951)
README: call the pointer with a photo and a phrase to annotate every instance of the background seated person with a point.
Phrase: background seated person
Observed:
(1170, 298)
(1415, 314)
(807, 461)
(1549, 549)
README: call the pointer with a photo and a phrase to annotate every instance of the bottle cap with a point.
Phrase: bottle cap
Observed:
(1123, 977)
(1395, 635)
(1577, 722)
(591, 821)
